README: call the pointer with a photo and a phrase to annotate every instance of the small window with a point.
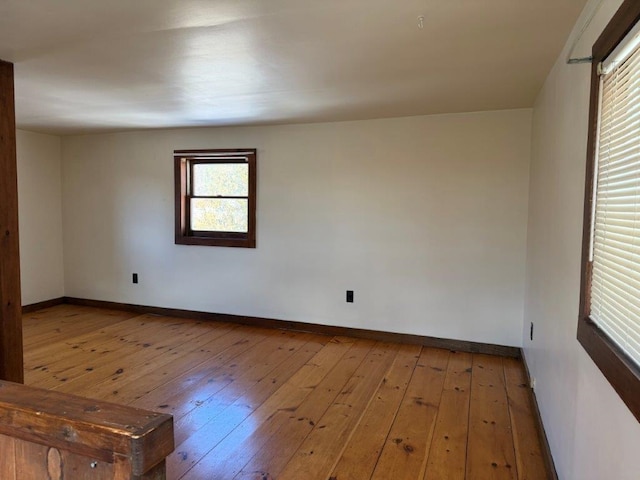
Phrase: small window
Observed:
(609, 326)
(216, 197)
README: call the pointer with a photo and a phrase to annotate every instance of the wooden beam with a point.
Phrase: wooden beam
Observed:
(10, 300)
(127, 442)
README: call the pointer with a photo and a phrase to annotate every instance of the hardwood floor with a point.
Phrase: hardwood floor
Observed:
(251, 403)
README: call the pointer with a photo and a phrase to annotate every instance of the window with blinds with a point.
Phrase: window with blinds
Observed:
(615, 240)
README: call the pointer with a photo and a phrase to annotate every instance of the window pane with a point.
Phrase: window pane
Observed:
(615, 282)
(219, 215)
(225, 179)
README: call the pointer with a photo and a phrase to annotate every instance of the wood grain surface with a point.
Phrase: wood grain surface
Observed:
(259, 403)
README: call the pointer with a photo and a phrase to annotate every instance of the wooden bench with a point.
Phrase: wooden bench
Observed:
(50, 435)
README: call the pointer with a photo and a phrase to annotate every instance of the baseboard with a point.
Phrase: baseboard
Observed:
(542, 435)
(458, 345)
(40, 305)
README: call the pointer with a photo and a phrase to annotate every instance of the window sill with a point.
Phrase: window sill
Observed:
(622, 373)
(216, 242)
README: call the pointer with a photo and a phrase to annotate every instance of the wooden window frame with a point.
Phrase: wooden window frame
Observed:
(183, 165)
(621, 372)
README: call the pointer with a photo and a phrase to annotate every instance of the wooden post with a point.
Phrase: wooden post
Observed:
(10, 300)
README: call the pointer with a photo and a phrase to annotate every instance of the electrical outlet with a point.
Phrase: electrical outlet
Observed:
(531, 332)
(533, 383)
(349, 296)
(135, 278)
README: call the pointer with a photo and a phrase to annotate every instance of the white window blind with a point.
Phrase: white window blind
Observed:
(615, 283)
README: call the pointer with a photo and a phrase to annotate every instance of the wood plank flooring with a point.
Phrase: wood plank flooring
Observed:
(251, 403)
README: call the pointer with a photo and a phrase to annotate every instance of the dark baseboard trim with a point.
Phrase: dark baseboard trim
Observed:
(542, 435)
(40, 305)
(458, 345)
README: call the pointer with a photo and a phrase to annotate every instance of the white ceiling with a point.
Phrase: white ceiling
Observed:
(108, 65)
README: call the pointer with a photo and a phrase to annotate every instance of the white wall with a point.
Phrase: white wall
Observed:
(40, 211)
(592, 434)
(424, 217)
